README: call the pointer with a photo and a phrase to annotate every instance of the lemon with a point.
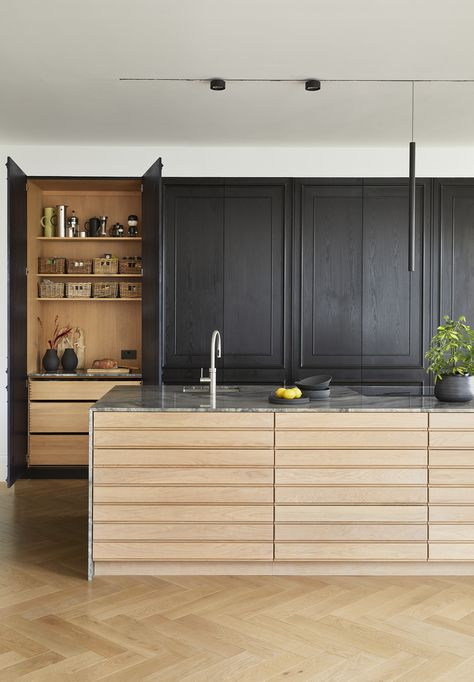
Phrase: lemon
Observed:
(298, 392)
(289, 394)
(279, 392)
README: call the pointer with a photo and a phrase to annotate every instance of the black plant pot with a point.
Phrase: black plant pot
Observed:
(69, 360)
(455, 388)
(51, 360)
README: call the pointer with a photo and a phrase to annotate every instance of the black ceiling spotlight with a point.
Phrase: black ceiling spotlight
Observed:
(312, 85)
(217, 84)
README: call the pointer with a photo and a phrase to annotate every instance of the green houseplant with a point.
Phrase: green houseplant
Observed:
(451, 360)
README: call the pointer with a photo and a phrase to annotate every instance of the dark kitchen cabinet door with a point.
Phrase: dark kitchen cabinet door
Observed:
(395, 302)
(455, 235)
(327, 284)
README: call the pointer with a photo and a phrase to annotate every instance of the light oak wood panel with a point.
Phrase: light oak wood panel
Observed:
(451, 514)
(142, 513)
(186, 438)
(351, 514)
(346, 551)
(169, 551)
(350, 439)
(350, 476)
(452, 439)
(182, 476)
(184, 531)
(86, 389)
(451, 495)
(351, 458)
(184, 458)
(351, 495)
(347, 532)
(459, 477)
(451, 551)
(451, 458)
(352, 420)
(58, 450)
(183, 420)
(60, 417)
(452, 420)
(187, 495)
(451, 532)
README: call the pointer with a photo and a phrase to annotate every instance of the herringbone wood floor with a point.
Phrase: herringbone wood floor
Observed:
(54, 625)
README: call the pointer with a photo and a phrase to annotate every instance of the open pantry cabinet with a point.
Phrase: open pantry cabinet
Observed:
(47, 420)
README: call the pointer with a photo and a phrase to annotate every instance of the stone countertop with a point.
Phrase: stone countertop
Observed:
(255, 399)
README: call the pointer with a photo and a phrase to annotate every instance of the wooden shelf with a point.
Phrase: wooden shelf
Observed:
(90, 300)
(89, 239)
(47, 275)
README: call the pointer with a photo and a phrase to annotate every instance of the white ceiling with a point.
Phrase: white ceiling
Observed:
(61, 60)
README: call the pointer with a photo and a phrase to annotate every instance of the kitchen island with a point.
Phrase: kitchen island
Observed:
(359, 484)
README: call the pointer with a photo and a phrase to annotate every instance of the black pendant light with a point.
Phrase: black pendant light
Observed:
(412, 190)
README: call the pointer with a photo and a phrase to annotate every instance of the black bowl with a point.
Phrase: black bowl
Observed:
(317, 383)
(320, 394)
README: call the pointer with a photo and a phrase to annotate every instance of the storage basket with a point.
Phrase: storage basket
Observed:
(104, 289)
(51, 266)
(105, 266)
(130, 290)
(78, 289)
(79, 267)
(49, 289)
(130, 266)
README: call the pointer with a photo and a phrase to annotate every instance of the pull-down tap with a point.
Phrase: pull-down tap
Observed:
(211, 379)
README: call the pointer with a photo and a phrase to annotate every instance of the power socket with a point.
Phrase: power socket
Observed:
(128, 355)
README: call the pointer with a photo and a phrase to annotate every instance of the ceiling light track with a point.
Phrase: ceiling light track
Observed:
(302, 80)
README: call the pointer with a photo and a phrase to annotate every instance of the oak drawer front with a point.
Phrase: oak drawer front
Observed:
(460, 477)
(350, 532)
(445, 532)
(58, 450)
(360, 495)
(452, 439)
(451, 495)
(183, 420)
(351, 514)
(351, 439)
(452, 458)
(184, 439)
(452, 551)
(74, 390)
(182, 476)
(346, 551)
(352, 420)
(452, 420)
(141, 513)
(171, 551)
(59, 417)
(350, 476)
(351, 458)
(176, 457)
(451, 514)
(184, 531)
(179, 494)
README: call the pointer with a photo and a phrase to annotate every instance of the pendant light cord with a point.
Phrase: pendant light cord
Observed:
(412, 111)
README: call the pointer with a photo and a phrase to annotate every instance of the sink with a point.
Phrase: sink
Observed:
(205, 389)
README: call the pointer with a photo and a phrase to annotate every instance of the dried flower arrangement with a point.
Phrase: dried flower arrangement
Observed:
(58, 332)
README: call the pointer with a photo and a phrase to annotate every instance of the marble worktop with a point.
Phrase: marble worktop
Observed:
(255, 399)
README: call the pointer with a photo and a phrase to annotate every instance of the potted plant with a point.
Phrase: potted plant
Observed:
(51, 358)
(451, 360)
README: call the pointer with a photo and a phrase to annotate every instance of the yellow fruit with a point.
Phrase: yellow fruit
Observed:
(298, 392)
(279, 392)
(289, 394)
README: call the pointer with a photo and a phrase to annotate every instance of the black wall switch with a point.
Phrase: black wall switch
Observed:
(128, 355)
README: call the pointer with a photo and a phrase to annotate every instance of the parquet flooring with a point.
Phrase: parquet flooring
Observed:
(54, 625)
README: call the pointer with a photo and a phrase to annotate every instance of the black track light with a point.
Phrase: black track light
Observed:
(217, 84)
(312, 85)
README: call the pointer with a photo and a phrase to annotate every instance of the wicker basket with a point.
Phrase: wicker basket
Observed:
(78, 289)
(51, 266)
(130, 290)
(104, 289)
(130, 266)
(106, 266)
(49, 289)
(79, 267)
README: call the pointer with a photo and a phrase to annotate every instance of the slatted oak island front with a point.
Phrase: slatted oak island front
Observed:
(180, 487)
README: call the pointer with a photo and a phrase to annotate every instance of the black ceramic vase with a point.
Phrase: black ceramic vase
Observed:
(69, 360)
(51, 360)
(455, 388)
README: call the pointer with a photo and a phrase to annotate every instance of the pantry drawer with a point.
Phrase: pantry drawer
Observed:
(350, 439)
(175, 551)
(351, 514)
(352, 420)
(348, 476)
(61, 417)
(199, 438)
(346, 551)
(58, 450)
(350, 495)
(135, 494)
(182, 476)
(85, 389)
(183, 420)
(230, 532)
(176, 457)
(350, 532)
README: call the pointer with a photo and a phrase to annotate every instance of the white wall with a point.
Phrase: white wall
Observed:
(214, 162)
